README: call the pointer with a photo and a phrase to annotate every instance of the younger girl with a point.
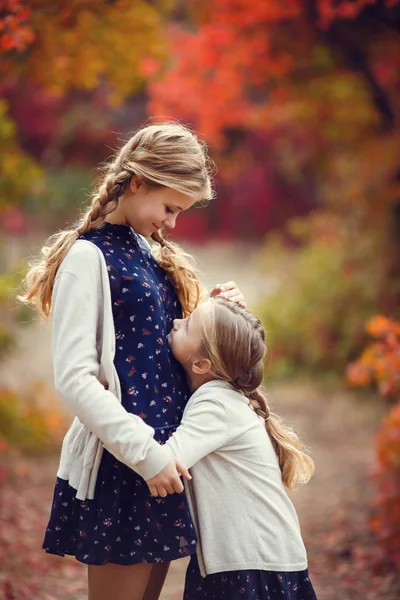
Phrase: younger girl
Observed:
(241, 457)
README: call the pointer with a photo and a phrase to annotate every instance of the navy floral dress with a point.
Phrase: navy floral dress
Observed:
(247, 585)
(124, 524)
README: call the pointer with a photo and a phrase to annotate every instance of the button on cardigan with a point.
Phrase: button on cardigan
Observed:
(83, 344)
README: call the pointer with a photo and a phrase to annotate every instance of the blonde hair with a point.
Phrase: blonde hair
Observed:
(165, 154)
(234, 342)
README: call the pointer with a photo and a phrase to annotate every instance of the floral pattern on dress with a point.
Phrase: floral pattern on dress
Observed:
(124, 524)
(247, 585)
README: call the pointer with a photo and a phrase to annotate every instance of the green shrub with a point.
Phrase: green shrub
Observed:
(329, 287)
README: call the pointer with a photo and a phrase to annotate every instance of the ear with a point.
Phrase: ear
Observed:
(201, 366)
(135, 184)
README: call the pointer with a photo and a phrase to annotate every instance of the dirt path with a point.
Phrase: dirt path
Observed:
(337, 425)
(332, 508)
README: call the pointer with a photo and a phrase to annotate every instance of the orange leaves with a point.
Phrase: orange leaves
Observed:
(388, 440)
(383, 327)
(380, 361)
(385, 522)
(218, 73)
(205, 83)
(261, 47)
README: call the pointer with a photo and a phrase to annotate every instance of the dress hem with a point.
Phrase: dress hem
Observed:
(145, 558)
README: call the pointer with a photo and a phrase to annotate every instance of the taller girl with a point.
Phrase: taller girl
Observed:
(113, 303)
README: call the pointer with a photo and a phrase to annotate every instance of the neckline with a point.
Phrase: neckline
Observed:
(120, 227)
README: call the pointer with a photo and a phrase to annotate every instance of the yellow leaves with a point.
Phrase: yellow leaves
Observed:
(31, 421)
(18, 172)
(83, 43)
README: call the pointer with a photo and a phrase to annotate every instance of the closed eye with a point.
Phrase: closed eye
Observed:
(168, 210)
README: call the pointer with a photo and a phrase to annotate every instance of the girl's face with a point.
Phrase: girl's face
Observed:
(148, 209)
(186, 336)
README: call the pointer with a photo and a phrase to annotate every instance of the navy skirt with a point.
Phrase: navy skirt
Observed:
(123, 524)
(247, 585)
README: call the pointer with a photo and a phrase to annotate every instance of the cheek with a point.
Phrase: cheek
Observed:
(176, 341)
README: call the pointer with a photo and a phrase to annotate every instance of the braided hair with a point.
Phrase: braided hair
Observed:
(165, 154)
(234, 342)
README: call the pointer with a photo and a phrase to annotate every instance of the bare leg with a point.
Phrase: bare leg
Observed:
(118, 582)
(156, 581)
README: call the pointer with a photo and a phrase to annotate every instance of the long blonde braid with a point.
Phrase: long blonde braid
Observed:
(165, 154)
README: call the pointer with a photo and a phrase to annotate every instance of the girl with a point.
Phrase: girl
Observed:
(241, 457)
(112, 304)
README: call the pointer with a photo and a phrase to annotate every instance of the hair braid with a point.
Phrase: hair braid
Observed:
(180, 268)
(105, 201)
(235, 345)
(165, 154)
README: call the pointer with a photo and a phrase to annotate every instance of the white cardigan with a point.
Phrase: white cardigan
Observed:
(83, 343)
(243, 516)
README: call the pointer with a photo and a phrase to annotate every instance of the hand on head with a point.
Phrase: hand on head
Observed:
(229, 291)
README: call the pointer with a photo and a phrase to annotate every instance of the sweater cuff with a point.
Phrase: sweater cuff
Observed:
(156, 460)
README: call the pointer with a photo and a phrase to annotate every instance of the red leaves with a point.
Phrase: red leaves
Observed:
(385, 522)
(15, 30)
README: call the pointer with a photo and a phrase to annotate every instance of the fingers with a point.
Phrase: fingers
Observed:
(230, 285)
(168, 481)
(162, 492)
(178, 486)
(158, 491)
(234, 296)
(215, 291)
(229, 291)
(153, 490)
(183, 471)
(229, 294)
(238, 299)
(223, 287)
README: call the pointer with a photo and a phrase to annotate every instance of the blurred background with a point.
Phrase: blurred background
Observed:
(299, 103)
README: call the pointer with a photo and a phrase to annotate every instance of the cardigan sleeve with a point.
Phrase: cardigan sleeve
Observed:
(203, 429)
(76, 314)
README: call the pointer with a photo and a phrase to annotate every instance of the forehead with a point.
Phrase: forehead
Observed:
(178, 199)
(199, 315)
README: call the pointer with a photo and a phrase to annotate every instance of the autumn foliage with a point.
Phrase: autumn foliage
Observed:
(299, 103)
(379, 364)
(15, 27)
(386, 520)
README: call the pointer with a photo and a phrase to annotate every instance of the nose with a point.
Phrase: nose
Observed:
(169, 222)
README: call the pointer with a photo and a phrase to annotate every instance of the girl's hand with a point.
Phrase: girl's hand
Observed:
(168, 480)
(229, 291)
